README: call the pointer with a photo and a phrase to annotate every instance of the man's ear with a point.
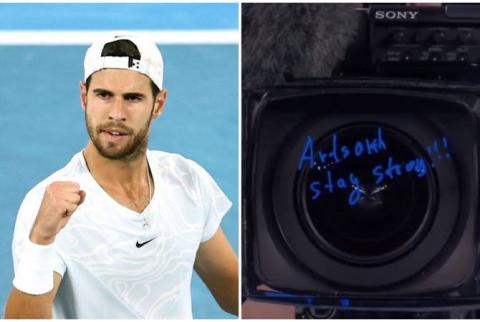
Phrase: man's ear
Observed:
(83, 95)
(159, 103)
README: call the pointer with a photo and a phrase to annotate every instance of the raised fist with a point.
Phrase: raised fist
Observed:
(60, 201)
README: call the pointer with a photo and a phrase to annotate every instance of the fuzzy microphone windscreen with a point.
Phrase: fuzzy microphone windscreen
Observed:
(300, 40)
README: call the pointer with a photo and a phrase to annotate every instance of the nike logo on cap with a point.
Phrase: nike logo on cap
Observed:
(141, 244)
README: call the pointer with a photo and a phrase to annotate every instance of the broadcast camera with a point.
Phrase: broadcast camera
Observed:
(360, 191)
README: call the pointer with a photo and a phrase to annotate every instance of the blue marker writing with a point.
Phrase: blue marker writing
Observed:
(420, 167)
(378, 173)
(307, 154)
(345, 302)
(333, 153)
(315, 187)
(329, 184)
(358, 149)
(391, 167)
(354, 196)
(339, 152)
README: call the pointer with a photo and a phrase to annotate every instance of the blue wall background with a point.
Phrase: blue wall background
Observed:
(42, 123)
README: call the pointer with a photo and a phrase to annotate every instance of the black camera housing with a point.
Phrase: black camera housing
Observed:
(286, 258)
(413, 74)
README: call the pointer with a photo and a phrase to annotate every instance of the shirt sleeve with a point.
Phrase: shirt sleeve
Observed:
(25, 218)
(213, 200)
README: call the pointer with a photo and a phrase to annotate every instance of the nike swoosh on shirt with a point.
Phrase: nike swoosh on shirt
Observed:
(141, 244)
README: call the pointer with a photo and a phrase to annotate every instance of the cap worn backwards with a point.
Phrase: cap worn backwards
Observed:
(150, 62)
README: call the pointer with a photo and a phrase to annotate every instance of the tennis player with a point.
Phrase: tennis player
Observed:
(117, 232)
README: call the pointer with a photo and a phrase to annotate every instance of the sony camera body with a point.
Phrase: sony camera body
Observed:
(362, 192)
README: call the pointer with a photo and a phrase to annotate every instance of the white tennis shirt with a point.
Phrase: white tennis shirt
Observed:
(111, 266)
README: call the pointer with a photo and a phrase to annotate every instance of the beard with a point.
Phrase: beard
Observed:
(133, 149)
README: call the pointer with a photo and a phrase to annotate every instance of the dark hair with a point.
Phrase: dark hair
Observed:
(122, 48)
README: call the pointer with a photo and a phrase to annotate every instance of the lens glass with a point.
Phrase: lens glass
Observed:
(367, 197)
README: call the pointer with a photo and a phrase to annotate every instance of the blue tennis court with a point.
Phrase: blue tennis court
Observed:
(42, 123)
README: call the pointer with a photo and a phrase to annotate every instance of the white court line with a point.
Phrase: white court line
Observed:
(73, 37)
(136, 1)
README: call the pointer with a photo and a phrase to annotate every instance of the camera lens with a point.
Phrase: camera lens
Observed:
(369, 197)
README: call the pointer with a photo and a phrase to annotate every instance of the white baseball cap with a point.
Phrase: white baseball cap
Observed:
(149, 64)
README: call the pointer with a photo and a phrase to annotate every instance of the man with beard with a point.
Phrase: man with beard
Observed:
(117, 231)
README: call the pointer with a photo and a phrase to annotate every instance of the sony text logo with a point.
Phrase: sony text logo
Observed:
(396, 15)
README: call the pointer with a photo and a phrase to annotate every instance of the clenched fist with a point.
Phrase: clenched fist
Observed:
(60, 201)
